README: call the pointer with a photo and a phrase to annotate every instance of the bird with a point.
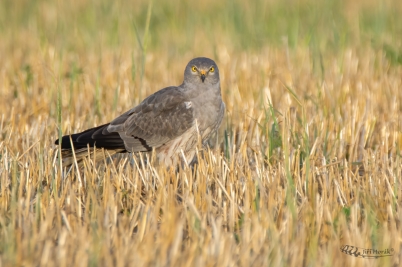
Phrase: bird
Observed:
(169, 121)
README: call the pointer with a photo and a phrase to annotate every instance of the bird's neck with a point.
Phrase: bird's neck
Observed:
(205, 92)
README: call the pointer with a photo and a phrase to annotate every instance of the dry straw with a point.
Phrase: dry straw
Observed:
(306, 161)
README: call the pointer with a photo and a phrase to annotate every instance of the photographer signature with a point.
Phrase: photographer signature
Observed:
(366, 253)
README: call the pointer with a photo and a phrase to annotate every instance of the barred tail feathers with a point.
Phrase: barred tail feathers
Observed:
(68, 157)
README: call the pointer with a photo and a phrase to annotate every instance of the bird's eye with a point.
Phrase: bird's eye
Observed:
(212, 69)
(193, 69)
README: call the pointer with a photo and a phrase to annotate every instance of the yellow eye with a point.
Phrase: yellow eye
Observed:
(212, 69)
(193, 69)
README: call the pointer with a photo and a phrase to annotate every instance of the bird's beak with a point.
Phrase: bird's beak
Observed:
(203, 75)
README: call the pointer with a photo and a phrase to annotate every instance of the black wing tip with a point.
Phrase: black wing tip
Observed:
(92, 137)
(65, 142)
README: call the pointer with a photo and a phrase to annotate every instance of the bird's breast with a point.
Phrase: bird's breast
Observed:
(207, 113)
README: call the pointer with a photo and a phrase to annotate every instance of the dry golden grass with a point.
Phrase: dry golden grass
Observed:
(307, 159)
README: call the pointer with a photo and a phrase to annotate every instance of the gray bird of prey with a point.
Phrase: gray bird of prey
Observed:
(168, 121)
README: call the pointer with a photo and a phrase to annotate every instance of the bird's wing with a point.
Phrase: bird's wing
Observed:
(161, 117)
(98, 136)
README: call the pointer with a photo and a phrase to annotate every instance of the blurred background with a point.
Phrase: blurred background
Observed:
(178, 27)
(127, 45)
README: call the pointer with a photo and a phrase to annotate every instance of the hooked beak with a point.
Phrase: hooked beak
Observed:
(203, 75)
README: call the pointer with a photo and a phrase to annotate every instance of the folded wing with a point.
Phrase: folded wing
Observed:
(161, 117)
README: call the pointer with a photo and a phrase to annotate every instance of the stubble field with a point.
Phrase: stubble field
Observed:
(306, 161)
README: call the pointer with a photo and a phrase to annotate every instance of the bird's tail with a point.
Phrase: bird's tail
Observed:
(95, 143)
(69, 156)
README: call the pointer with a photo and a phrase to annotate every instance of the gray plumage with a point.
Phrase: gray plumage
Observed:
(169, 121)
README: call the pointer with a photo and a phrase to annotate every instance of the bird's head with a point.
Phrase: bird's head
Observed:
(201, 70)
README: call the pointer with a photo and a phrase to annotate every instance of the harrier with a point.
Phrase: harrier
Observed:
(170, 121)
